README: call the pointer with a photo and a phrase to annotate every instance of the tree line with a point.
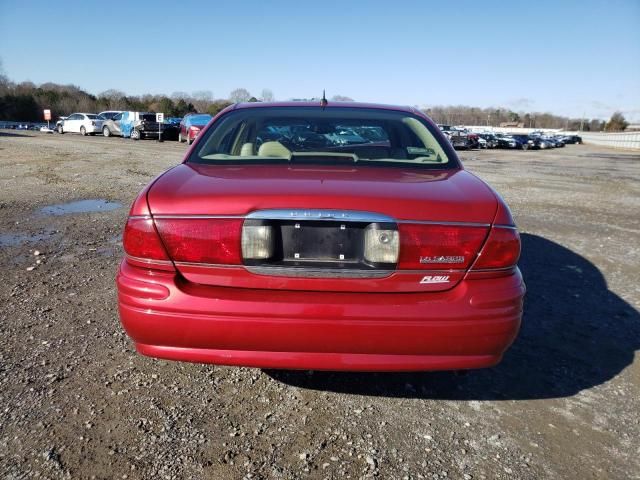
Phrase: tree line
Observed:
(494, 117)
(25, 101)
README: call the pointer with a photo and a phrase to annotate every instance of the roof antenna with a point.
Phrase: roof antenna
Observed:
(323, 100)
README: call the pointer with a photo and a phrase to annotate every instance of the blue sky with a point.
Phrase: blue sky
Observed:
(570, 58)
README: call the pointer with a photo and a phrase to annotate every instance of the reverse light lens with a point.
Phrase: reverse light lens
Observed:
(381, 246)
(257, 242)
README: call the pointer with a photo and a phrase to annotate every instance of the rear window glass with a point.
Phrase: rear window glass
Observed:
(94, 117)
(316, 135)
(199, 119)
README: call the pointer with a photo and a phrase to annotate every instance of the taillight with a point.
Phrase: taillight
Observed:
(194, 130)
(140, 240)
(500, 251)
(202, 240)
(438, 247)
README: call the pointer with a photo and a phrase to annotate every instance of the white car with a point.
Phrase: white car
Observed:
(83, 123)
(46, 129)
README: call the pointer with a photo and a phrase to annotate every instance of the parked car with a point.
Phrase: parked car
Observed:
(526, 142)
(82, 123)
(59, 122)
(473, 140)
(554, 142)
(191, 126)
(490, 138)
(544, 143)
(111, 127)
(109, 114)
(141, 125)
(277, 245)
(575, 139)
(457, 138)
(506, 141)
(45, 129)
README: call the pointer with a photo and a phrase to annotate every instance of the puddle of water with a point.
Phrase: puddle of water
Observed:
(81, 206)
(17, 239)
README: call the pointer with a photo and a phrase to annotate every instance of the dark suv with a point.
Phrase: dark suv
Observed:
(148, 127)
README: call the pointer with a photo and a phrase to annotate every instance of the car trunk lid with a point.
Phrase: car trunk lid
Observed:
(318, 218)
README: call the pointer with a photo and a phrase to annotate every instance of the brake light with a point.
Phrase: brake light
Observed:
(194, 129)
(438, 247)
(202, 240)
(140, 240)
(501, 250)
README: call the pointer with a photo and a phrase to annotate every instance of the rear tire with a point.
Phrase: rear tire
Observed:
(135, 134)
(525, 146)
(60, 129)
(180, 137)
(83, 131)
(106, 132)
(189, 141)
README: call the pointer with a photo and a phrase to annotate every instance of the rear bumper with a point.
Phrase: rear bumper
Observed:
(469, 326)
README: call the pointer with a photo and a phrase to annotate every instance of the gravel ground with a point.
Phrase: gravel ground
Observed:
(78, 402)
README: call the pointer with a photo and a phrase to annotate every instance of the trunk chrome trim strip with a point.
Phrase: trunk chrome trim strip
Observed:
(318, 273)
(436, 222)
(250, 268)
(320, 214)
(185, 217)
(149, 261)
(293, 215)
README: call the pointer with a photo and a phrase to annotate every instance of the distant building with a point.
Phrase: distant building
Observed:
(634, 127)
(512, 124)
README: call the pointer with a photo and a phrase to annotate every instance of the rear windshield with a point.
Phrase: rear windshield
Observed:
(93, 116)
(325, 136)
(199, 119)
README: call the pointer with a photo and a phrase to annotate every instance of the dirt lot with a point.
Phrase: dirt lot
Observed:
(76, 401)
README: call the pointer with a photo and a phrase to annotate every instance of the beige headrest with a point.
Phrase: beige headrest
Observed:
(246, 150)
(273, 149)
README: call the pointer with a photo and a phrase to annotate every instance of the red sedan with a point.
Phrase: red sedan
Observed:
(191, 125)
(321, 236)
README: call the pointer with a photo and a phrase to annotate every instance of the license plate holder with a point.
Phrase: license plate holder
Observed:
(308, 241)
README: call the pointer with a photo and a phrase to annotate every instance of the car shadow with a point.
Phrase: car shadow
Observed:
(575, 334)
(4, 133)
